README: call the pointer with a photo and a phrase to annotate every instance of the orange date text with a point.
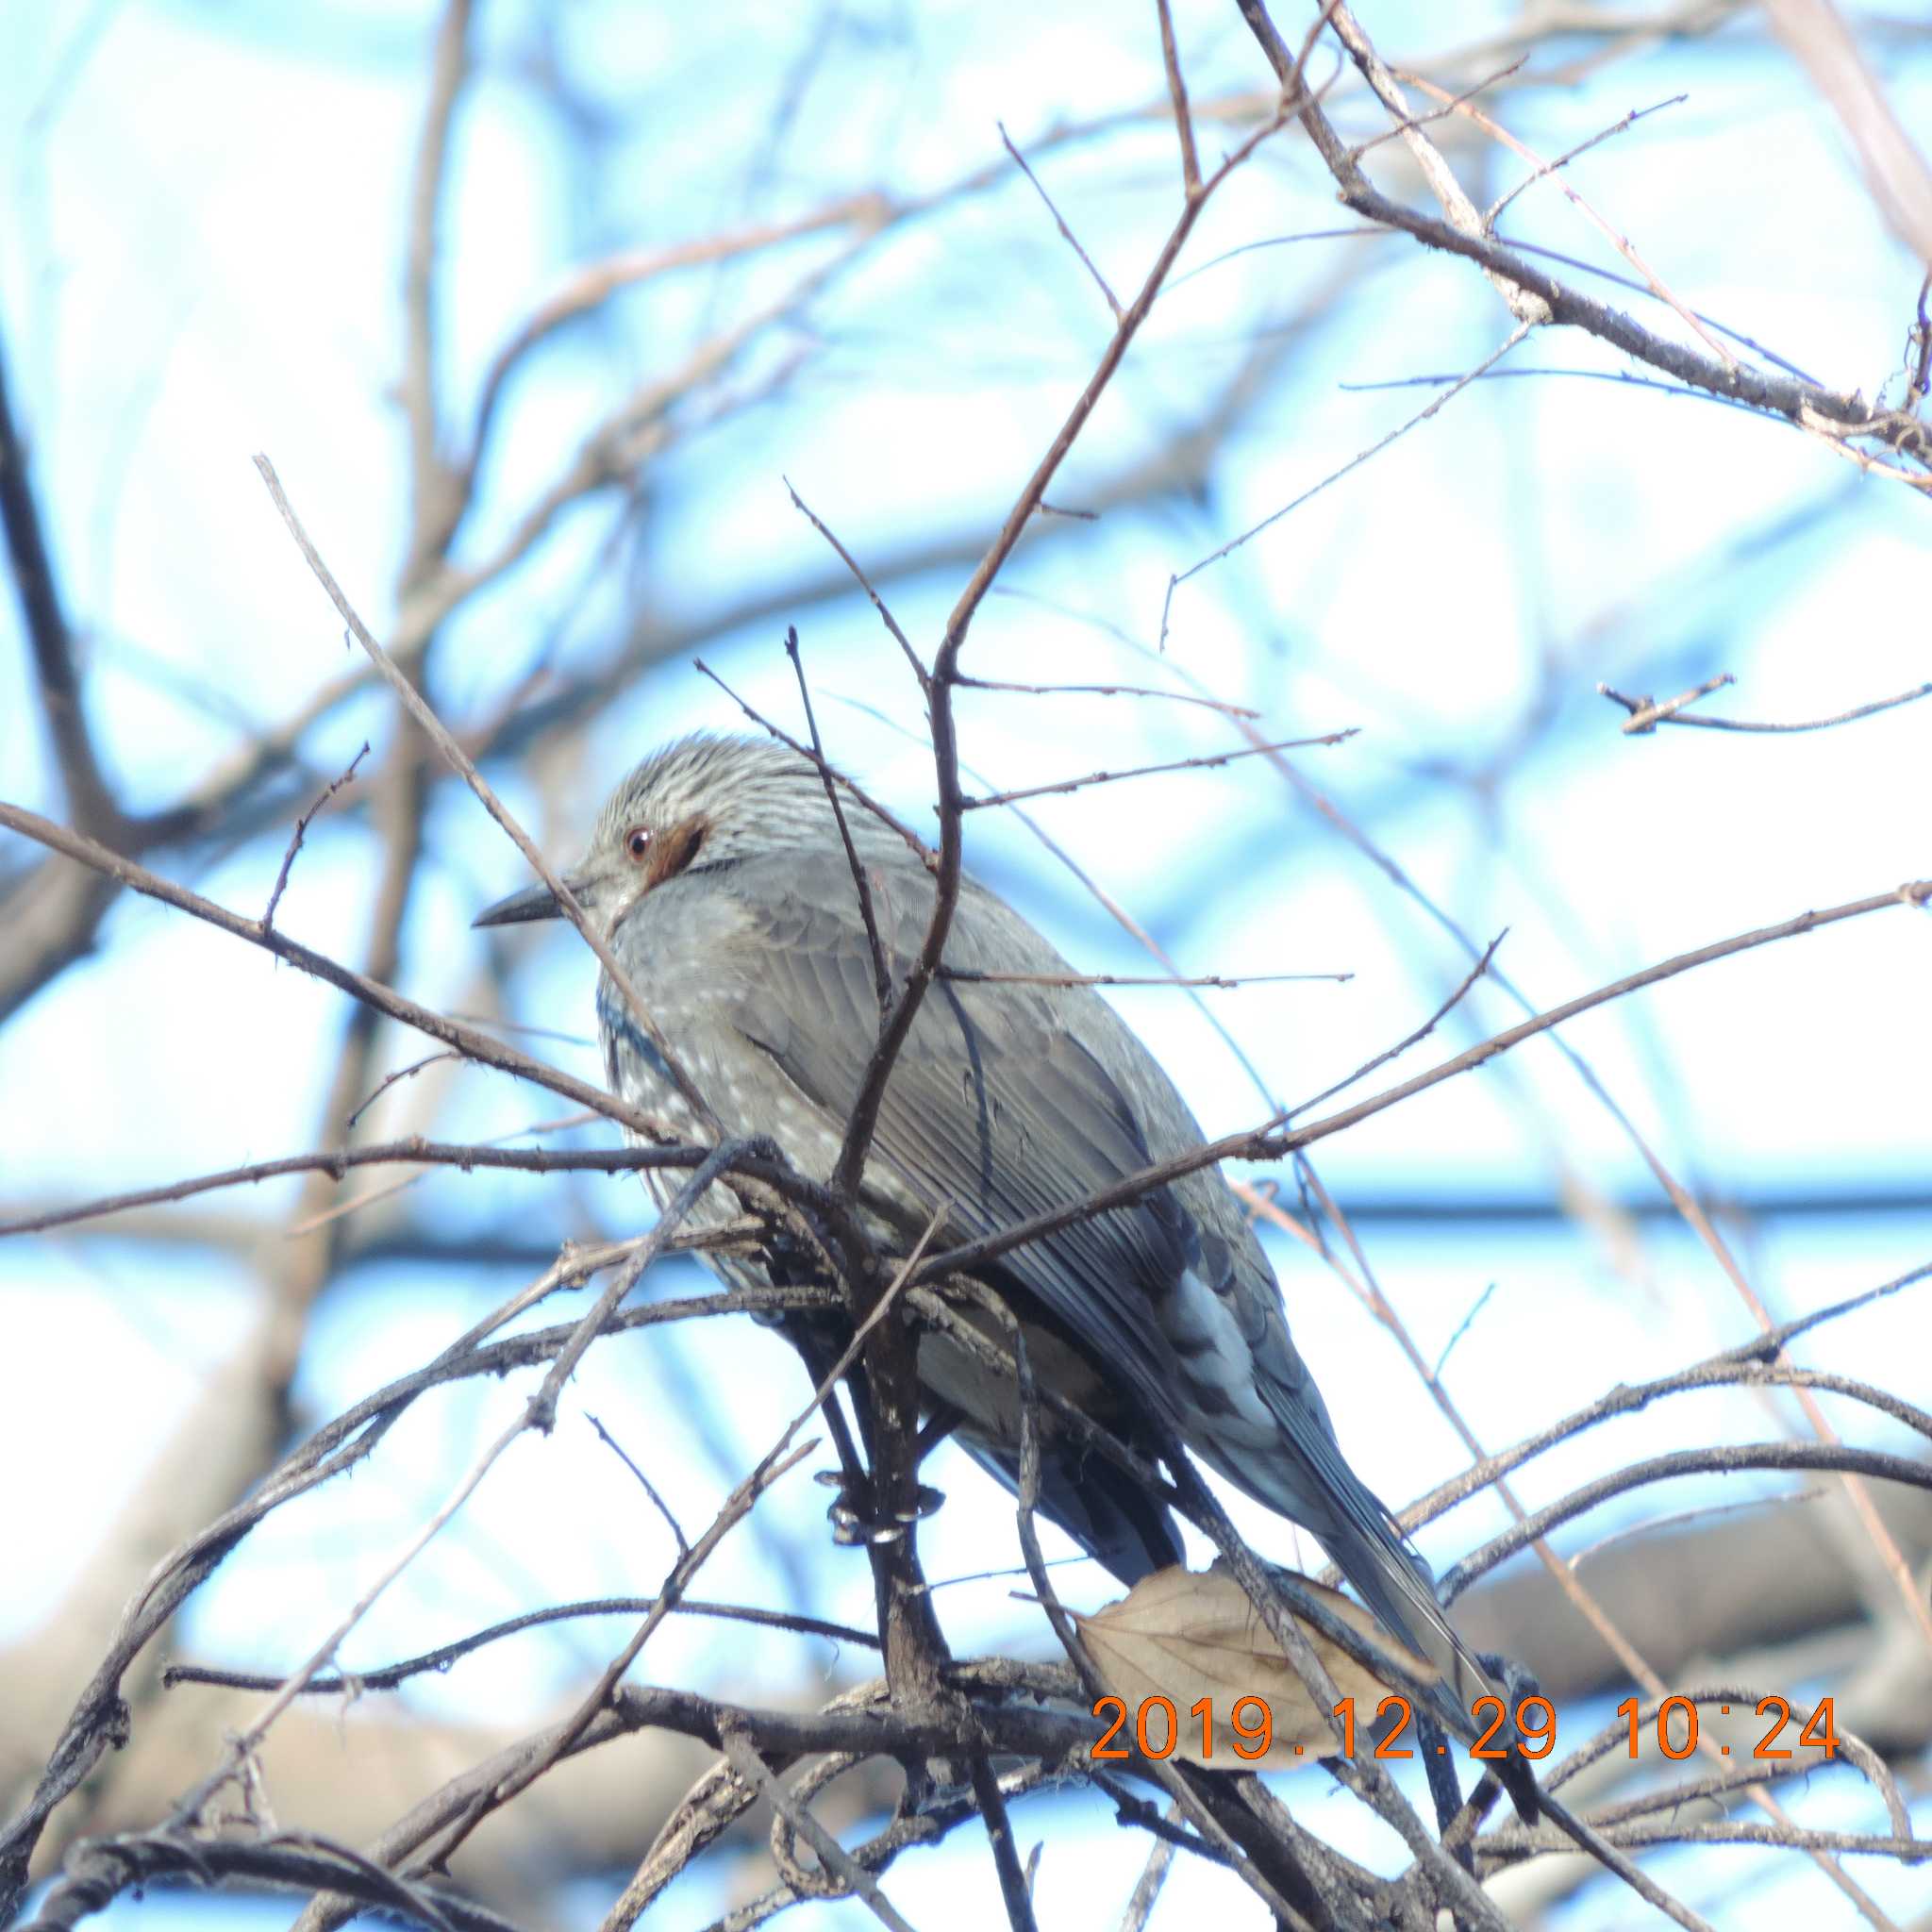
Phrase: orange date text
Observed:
(1245, 1731)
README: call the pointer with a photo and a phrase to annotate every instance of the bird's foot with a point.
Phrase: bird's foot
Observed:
(853, 1526)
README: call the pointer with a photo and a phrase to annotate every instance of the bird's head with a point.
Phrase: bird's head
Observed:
(702, 801)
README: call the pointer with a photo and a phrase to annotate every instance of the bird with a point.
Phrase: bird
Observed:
(720, 872)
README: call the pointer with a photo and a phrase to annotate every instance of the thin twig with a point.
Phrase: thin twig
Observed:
(623, 1455)
(1421, 1033)
(459, 761)
(1450, 102)
(731, 1512)
(1721, 1460)
(1748, 1364)
(1207, 761)
(1548, 169)
(1646, 712)
(393, 1078)
(1107, 691)
(310, 1223)
(1919, 350)
(1354, 462)
(412, 1151)
(1523, 303)
(1569, 155)
(881, 973)
(973, 976)
(1073, 243)
(302, 824)
(914, 843)
(865, 583)
(388, 1676)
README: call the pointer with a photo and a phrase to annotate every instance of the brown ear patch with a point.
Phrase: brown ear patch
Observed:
(675, 850)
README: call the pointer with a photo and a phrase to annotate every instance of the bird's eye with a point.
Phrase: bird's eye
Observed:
(637, 841)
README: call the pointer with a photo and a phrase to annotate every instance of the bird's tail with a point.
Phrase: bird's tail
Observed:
(1309, 1480)
(1396, 1585)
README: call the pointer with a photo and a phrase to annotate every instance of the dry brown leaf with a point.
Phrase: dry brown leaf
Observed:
(1188, 1637)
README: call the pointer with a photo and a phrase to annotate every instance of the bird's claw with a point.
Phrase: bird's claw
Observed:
(851, 1527)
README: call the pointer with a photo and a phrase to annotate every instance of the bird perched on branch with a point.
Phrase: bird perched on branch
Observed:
(720, 871)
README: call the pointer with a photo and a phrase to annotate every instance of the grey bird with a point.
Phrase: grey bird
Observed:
(719, 871)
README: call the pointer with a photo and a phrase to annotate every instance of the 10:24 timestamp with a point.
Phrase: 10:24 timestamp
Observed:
(1535, 1731)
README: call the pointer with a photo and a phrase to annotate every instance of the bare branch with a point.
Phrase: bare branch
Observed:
(1544, 169)
(1723, 1458)
(770, 1467)
(1808, 406)
(392, 1078)
(1535, 297)
(1523, 302)
(1548, 169)
(98, 1871)
(538, 1413)
(471, 1042)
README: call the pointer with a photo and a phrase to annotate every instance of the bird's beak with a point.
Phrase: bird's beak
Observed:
(533, 902)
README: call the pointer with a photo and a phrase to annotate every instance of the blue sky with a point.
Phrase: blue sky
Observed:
(202, 212)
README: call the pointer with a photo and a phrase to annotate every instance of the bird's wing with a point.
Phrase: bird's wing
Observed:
(993, 1105)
